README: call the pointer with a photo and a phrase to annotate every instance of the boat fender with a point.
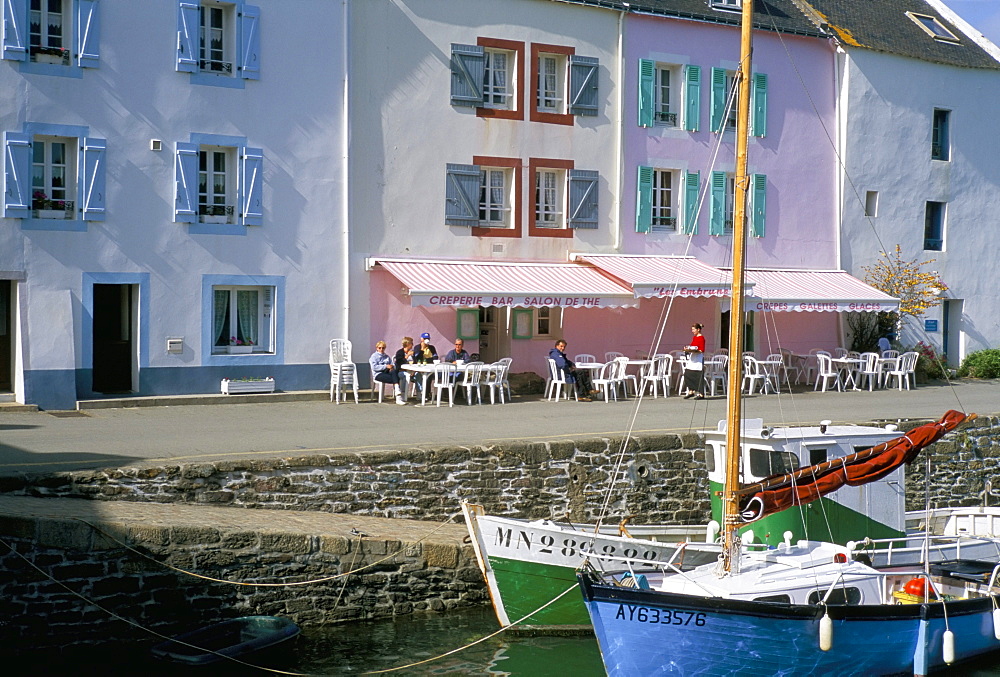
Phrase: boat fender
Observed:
(712, 531)
(916, 587)
(825, 632)
(996, 623)
(948, 647)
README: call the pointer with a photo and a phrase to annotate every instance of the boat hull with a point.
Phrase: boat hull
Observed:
(228, 639)
(646, 632)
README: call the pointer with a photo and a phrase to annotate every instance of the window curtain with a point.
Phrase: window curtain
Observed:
(496, 193)
(221, 310)
(246, 314)
(499, 77)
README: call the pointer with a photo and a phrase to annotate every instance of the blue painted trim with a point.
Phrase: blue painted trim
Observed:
(277, 310)
(44, 128)
(87, 336)
(34, 68)
(218, 81)
(217, 229)
(50, 388)
(64, 225)
(218, 140)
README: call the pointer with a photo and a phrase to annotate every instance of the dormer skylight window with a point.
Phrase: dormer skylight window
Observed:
(933, 27)
(734, 5)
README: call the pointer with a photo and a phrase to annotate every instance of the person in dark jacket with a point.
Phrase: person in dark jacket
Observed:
(579, 377)
(425, 353)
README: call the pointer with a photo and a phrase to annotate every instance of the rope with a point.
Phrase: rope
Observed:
(475, 642)
(267, 585)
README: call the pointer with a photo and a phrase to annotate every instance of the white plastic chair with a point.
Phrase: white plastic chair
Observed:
(557, 382)
(717, 373)
(793, 369)
(812, 363)
(624, 377)
(839, 352)
(680, 360)
(505, 376)
(612, 354)
(443, 380)
(753, 374)
(379, 387)
(584, 358)
(825, 373)
(659, 375)
(472, 381)
(342, 375)
(606, 380)
(340, 350)
(869, 371)
(904, 372)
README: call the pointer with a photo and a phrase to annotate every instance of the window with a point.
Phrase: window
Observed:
(933, 27)
(219, 40)
(563, 199)
(55, 175)
(817, 456)
(548, 322)
(494, 197)
(218, 181)
(667, 99)
(725, 103)
(723, 199)
(550, 198)
(241, 315)
(658, 194)
(838, 596)
(52, 32)
(668, 95)
(497, 79)
(940, 143)
(727, 4)
(934, 226)
(551, 83)
(664, 219)
(871, 203)
(766, 462)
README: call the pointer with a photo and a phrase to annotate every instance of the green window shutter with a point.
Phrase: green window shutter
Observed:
(718, 98)
(758, 191)
(468, 67)
(691, 181)
(647, 92)
(692, 98)
(644, 200)
(759, 104)
(717, 225)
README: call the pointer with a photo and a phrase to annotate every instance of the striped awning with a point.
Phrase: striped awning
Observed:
(832, 291)
(437, 282)
(664, 276)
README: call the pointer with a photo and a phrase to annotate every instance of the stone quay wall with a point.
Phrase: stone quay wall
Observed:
(661, 479)
(67, 581)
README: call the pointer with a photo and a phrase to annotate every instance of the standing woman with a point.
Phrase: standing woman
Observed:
(694, 370)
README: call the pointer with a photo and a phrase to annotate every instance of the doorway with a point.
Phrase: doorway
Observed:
(6, 337)
(951, 332)
(748, 342)
(114, 338)
(494, 335)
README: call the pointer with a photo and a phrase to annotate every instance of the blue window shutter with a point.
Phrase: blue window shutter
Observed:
(583, 198)
(718, 98)
(88, 33)
(692, 98)
(186, 183)
(15, 30)
(17, 175)
(717, 225)
(461, 207)
(759, 100)
(250, 43)
(187, 37)
(647, 92)
(758, 193)
(691, 186)
(644, 200)
(468, 68)
(251, 184)
(92, 178)
(583, 71)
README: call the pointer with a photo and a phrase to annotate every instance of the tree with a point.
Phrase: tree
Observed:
(917, 289)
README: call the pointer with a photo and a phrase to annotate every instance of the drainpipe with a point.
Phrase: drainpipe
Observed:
(620, 137)
(345, 232)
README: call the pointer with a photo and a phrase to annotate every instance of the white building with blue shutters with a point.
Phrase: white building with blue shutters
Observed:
(918, 96)
(173, 196)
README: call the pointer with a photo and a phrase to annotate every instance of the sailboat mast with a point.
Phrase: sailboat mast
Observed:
(734, 414)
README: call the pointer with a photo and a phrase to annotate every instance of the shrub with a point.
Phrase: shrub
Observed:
(981, 364)
(929, 363)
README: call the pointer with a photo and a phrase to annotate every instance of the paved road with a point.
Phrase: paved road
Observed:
(42, 442)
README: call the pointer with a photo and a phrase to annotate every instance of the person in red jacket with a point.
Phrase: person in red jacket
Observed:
(694, 369)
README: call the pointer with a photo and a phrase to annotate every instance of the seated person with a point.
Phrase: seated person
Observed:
(404, 356)
(384, 371)
(457, 353)
(580, 378)
(425, 353)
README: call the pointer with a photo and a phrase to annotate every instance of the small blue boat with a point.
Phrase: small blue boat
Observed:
(234, 638)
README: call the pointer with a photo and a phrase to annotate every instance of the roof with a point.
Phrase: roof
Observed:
(814, 291)
(440, 282)
(664, 276)
(883, 26)
(773, 15)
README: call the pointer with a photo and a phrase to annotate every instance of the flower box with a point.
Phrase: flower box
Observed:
(57, 59)
(230, 387)
(51, 213)
(239, 350)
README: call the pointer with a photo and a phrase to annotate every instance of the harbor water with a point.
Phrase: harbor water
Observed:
(371, 647)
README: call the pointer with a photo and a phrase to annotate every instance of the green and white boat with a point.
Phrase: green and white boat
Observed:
(528, 564)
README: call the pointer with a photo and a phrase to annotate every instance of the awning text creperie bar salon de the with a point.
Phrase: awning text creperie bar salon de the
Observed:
(442, 283)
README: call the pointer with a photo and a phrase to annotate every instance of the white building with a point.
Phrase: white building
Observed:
(173, 182)
(918, 135)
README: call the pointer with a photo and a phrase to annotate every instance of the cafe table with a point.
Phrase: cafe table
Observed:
(848, 367)
(425, 370)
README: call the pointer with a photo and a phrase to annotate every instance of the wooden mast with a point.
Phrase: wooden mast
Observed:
(734, 414)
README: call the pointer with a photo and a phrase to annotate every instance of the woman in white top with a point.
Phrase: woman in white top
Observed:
(694, 370)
